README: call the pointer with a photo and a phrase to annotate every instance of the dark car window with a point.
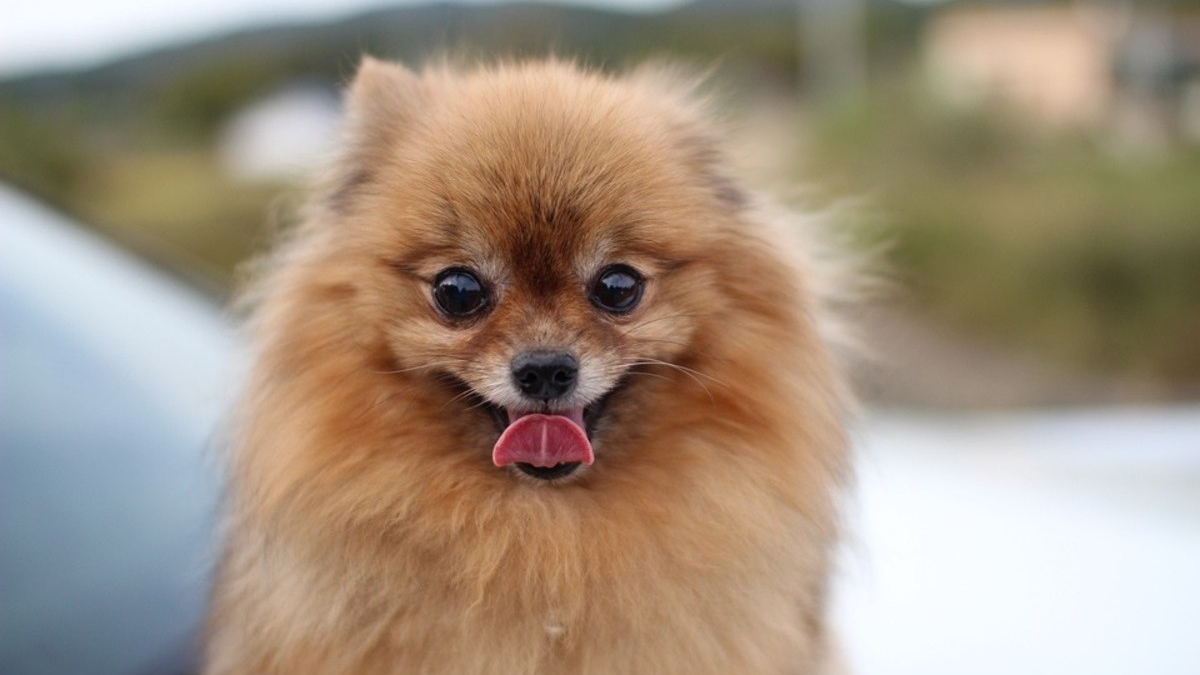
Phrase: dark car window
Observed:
(110, 388)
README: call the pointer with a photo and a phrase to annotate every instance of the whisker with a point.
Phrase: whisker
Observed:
(458, 397)
(695, 375)
(677, 343)
(435, 364)
(657, 319)
(645, 374)
(693, 371)
(648, 361)
(482, 402)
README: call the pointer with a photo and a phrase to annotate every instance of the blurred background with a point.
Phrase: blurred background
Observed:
(1029, 172)
(1032, 169)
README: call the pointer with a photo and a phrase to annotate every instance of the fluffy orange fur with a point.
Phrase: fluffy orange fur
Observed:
(368, 530)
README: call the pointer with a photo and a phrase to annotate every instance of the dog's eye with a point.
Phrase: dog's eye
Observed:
(617, 289)
(459, 293)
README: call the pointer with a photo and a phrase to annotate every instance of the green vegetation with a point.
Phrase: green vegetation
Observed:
(181, 207)
(1056, 243)
(197, 103)
(170, 201)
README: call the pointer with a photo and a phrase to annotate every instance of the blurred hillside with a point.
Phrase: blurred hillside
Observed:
(130, 145)
(1076, 244)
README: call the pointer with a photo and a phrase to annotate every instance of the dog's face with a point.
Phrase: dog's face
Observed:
(544, 250)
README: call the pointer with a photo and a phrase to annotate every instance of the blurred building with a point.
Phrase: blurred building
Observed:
(282, 135)
(1133, 70)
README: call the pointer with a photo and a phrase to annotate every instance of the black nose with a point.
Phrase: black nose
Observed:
(545, 375)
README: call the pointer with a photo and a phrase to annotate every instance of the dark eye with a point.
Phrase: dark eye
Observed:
(459, 293)
(617, 289)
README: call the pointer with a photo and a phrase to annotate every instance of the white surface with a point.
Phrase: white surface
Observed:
(1037, 543)
(134, 316)
(113, 377)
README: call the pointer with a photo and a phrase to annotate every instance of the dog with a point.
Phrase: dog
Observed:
(537, 387)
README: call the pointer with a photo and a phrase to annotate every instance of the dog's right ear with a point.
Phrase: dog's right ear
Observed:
(380, 104)
(382, 97)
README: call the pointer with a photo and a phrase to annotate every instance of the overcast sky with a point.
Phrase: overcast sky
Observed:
(41, 34)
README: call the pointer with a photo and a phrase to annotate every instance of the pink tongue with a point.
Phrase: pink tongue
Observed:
(544, 441)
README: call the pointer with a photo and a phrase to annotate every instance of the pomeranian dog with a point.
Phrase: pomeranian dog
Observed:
(537, 388)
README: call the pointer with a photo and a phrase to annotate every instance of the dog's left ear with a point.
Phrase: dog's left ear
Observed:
(381, 103)
(679, 89)
(382, 98)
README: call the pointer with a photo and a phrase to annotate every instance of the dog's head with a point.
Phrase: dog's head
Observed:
(555, 245)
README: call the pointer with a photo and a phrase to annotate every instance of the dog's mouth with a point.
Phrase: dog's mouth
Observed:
(546, 444)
